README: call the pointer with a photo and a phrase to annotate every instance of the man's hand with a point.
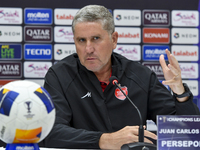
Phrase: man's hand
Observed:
(128, 134)
(172, 74)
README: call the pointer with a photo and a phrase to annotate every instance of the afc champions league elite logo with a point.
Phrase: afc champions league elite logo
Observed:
(28, 105)
(119, 95)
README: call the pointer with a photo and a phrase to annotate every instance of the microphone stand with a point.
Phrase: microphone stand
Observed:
(141, 145)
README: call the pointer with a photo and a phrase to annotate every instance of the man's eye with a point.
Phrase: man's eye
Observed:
(96, 38)
(81, 40)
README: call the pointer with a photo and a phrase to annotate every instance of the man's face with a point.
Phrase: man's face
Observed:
(94, 45)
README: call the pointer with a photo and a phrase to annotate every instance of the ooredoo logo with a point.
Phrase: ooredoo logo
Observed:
(156, 35)
(119, 95)
(38, 34)
(156, 17)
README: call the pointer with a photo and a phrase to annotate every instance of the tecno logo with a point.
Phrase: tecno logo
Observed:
(41, 51)
(156, 35)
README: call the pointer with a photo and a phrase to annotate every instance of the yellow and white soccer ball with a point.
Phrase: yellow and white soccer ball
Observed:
(27, 113)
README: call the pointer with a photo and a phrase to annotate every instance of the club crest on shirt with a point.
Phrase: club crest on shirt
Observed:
(119, 95)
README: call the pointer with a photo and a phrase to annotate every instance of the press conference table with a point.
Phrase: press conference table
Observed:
(41, 148)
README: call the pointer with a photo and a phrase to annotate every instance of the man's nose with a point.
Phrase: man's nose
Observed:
(89, 47)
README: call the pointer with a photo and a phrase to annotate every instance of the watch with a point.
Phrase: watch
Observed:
(186, 93)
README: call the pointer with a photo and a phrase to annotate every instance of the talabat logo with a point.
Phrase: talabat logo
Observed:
(185, 52)
(185, 18)
(11, 51)
(37, 16)
(10, 15)
(156, 35)
(63, 34)
(41, 51)
(153, 52)
(132, 52)
(127, 17)
(64, 16)
(189, 70)
(155, 67)
(38, 34)
(185, 35)
(10, 33)
(10, 69)
(128, 35)
(156, 17)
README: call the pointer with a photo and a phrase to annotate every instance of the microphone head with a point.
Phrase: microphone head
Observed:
(113, 80)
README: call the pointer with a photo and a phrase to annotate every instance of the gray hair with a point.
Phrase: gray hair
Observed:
(95, 13)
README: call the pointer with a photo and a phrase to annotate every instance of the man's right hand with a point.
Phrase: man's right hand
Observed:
(128, 134)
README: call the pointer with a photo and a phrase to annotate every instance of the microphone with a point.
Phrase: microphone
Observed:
(141, 145)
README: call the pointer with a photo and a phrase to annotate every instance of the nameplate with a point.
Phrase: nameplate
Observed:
(178, 132)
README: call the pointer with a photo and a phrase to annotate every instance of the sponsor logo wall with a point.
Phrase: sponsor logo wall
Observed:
(33, 39)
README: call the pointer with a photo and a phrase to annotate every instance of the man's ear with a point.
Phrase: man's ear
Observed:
(114, 39)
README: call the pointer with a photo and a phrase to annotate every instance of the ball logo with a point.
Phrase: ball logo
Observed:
(28, 106)
(119, 95)
(176, 35)
(118, 17)
(59, 51)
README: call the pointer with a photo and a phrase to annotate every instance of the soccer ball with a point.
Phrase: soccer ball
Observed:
(27, 113)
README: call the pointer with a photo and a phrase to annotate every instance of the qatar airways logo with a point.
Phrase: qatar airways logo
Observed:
(156, 17)
(185, 18)
(155, 67)
(63, 34)
(36, 69)
(128, 35)
(10, 15)
(132, 52)
(189, 70)
(64, 16)
(186, 52)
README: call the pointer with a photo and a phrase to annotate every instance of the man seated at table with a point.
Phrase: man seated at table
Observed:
(90, 111)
